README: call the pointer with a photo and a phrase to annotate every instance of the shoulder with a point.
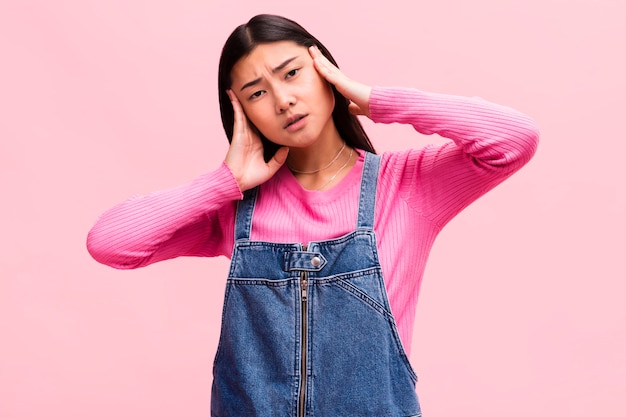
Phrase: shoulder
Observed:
(399, 164)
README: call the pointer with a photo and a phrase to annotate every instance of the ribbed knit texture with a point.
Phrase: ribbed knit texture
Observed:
(419, 191)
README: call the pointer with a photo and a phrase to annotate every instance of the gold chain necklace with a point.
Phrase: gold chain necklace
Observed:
(338, 171)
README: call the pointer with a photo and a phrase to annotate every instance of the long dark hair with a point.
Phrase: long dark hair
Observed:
(266, 28)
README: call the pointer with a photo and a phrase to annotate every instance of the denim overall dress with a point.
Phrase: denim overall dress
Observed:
(307, 329)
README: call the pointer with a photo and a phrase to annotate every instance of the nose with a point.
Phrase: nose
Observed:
(284, 100)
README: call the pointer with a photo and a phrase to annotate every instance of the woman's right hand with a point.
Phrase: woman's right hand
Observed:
(245, 154)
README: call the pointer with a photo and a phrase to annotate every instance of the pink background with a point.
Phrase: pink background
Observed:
(522, 309)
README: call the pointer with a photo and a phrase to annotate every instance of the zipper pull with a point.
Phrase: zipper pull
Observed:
(303, 278)
(303, 285)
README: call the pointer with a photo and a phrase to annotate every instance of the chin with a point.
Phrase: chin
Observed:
(303, 144)
(300, 142)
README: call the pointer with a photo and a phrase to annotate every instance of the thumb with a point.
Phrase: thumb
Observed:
(278, 159)
(356, 110)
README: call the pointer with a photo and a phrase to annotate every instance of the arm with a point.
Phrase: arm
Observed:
(194, 219)
(489, 143)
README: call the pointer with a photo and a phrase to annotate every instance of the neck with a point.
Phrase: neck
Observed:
(324, 167)
(321, 155)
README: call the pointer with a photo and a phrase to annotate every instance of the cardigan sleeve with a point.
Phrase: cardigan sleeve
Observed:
(489, 142)
(194, 219)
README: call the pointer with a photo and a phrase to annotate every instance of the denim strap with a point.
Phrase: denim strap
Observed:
(367, 198)
(243, 219)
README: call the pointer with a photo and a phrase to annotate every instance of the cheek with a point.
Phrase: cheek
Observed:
(260, 116)
(327, 99)
(331, 97)
(256, 114)
(325, 92)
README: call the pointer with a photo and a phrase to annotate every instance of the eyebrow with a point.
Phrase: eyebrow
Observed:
(275, 70)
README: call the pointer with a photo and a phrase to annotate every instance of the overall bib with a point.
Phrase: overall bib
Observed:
(307, 329)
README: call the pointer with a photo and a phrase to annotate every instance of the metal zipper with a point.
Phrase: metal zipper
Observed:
(303, 353)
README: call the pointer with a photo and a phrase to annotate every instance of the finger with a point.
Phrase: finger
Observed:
(235, 102)
(240, 120)
(357, 93)
(326, 68)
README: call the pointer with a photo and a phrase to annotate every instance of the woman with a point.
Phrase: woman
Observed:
(328, 241)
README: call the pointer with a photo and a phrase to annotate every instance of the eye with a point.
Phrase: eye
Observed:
(292, 73)
(256, 94)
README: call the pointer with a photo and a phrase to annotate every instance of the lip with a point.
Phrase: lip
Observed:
(294, 120)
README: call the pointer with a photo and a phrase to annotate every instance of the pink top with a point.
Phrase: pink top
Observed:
(419, 191)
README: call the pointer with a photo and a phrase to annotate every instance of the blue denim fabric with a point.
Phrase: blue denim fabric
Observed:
(343, 336)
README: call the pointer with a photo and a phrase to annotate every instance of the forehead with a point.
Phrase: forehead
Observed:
(265, 56)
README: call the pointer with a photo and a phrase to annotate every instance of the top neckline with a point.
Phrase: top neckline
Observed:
(286, 181)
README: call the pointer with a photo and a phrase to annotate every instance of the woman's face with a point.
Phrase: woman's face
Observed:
(283, 95)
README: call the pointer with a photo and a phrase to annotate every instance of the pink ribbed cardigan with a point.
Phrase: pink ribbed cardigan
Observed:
(419, 191)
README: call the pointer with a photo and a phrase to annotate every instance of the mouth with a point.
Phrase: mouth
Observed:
(294, 119)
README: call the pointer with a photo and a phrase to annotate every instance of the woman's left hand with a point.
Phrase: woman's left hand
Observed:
(357, 93)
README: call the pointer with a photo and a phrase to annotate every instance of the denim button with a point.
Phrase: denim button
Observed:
(316, 261)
